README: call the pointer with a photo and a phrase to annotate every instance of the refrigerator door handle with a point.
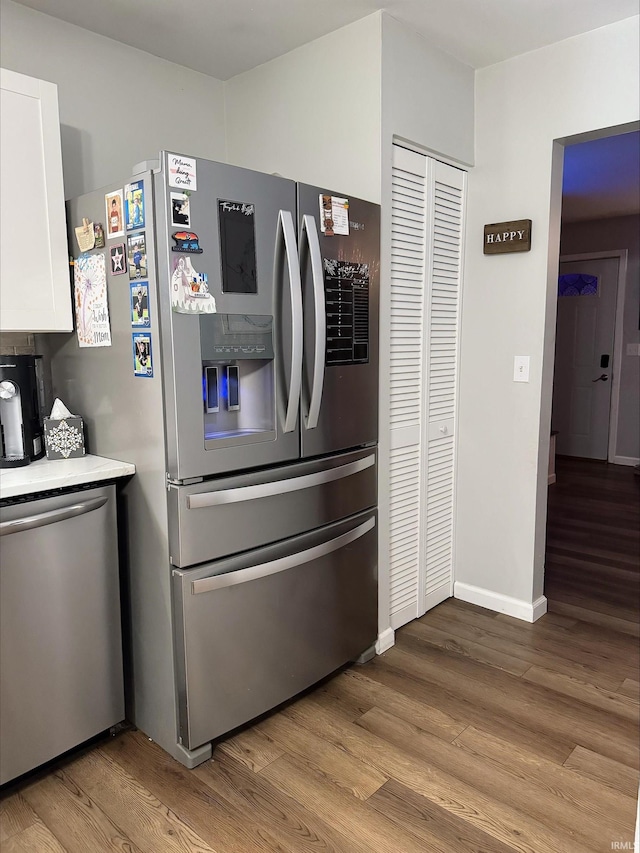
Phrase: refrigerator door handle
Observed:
(274, 566)
(278, 487)
(310, 231)
(31, 522)
(286, 229)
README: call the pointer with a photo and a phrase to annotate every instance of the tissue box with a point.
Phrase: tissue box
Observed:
(63, 438)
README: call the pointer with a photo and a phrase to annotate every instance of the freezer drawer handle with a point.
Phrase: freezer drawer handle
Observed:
(286, 228)
(277, 487)
(33, 521)
(310, 230)
(265, 569)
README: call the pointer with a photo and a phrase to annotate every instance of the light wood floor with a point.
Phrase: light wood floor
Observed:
(475, 733)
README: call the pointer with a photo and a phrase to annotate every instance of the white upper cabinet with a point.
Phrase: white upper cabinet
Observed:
(35, 294)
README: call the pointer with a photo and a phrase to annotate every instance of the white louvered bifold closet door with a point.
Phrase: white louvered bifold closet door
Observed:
(406, 380)
(444, 277)
(425, 284)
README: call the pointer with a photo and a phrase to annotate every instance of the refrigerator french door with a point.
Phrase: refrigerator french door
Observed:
(287, 365)
(232, 378)
(340, 279)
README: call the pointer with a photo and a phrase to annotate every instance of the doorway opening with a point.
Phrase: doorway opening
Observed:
(597, 323)
(591, 570)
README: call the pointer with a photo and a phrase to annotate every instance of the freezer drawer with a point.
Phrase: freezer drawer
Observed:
(60, 636)
(222, 517)
(256, 629)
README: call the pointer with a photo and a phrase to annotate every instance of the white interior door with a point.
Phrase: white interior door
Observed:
(445, 229)
(406, 381)
(584, 357)
(426, 253)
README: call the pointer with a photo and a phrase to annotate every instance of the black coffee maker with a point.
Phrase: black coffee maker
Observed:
(21, 410)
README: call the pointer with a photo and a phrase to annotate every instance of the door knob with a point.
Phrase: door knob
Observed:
(602, 378)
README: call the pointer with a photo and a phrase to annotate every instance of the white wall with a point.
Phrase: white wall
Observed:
(313, 114)
(427, 102)
(327, 113)
(522, 106)
(599, 235)
(427, 95)
(118, 105)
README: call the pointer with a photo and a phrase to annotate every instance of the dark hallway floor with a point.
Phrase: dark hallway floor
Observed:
(592, 570)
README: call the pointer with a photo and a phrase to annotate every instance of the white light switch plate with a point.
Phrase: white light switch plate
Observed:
(521, 368)
(633, 349)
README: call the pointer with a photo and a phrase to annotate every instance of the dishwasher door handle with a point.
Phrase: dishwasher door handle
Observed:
(51, 517)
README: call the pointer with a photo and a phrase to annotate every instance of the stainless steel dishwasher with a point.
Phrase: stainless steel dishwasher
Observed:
(61, 678)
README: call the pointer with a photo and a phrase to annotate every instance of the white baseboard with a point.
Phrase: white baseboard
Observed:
(538, 608)
(528, 612)
(385, 641)
(626, 460)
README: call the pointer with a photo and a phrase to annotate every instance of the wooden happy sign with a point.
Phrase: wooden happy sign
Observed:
(503, 237)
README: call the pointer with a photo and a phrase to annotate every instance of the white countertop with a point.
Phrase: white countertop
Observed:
(59, 474)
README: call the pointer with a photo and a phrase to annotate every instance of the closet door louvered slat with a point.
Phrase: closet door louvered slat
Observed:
(445, 230)
(426, 259)
(406, 380)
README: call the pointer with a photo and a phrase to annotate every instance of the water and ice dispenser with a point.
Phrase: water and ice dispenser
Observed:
(237, 378)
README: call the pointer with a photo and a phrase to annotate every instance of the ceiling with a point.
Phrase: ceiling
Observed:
(223, 38)
(601, 178)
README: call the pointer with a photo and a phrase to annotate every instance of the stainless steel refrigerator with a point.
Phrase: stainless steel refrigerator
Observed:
(251, 413)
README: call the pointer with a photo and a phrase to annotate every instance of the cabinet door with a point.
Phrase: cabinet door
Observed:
(34, 270)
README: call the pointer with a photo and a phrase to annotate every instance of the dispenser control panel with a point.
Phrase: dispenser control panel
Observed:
(235, 351)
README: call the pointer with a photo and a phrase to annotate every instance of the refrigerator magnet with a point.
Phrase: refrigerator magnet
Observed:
(180, 210)
(118, 259)
(86, 237)
(134, 205)
(334, 215)
(140, 303)
(98, 231)
(93, 328)
(142, 355)
(190, 289)
(182, 172)
(137, 255)
(114, 204)
(186, 241)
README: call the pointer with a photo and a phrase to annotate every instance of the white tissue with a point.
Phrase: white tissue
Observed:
(60, 411)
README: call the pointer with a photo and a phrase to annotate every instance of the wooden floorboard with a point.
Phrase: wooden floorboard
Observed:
(475, 733)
